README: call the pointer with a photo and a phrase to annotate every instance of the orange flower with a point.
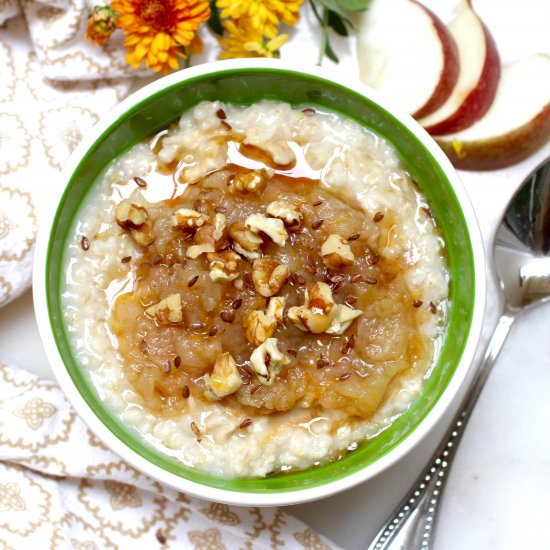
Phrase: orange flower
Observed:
(100, 25)
(158, 29)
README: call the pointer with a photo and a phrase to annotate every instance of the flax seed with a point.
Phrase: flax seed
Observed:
(373, 260)
(237, 303)
(227, 316)
(85, 243)
(126, 259)
(351, 300)
(318, 202)
(226, 125)
(213, 331)
(426, 211)
(185, 393)
(167, 366)
(198, 326)
(354, 237)
(158, 259)
(140, 181)
(378, 217)
(177, 361)
(144, 347)
(433, 309)
(356, 278)
(220, 209)
(371, 280)
(316, 224)
(417, 303)
(192, 281)
(245, 423)
(309, 111)
(299, 279)
(196, 431)
(220, 113)
(344, 376)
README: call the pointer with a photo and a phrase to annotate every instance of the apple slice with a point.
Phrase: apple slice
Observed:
(517, 123)
(478, 77)
(406, 53)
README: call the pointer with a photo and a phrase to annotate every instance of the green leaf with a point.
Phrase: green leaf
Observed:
(214, 22)
(337, 23)
(332, 6)
(353, 5)
(330, 53)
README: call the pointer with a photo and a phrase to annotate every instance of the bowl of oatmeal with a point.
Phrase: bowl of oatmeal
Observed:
(259, 286)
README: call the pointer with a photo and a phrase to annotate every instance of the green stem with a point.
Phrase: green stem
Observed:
(324, 36)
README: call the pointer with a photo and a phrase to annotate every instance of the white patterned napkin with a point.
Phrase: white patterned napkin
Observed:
(60, 484)
(54, 87)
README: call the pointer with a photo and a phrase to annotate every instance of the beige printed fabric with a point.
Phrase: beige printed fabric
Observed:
(54, 87)
(60, 484)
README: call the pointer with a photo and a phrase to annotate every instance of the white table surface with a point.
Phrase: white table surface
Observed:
(498, 493)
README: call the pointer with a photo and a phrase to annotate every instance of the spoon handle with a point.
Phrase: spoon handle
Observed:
(411, 526)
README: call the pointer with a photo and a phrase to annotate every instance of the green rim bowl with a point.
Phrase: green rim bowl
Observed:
(243, 82)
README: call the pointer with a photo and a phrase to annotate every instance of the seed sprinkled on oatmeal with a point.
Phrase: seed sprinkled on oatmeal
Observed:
(177, 361)
(185, 393)
(167, 366)
(345, 348)
(126, 259)
(213, 331)
(160, 536)
(140, 181)
(158, 259)
(417, 303)
(356, 278)
(351, 299)
(192, 281)
(318, 202)
(351, 341)
(344, 376)
(246, 423)
(220, 113)
(373, 260)
(379, 216)
(226, 125)
(220, 209)
(353, 237)
(426, 211)
(146, 265)
(255, 389)
(198, 326)
(196, 431)
(237, 303)
(316, 224)
(227, 316)
(292, 351)
(85, 243)
(371, 280)
(170, 260)
(309, 111)
(433, 308)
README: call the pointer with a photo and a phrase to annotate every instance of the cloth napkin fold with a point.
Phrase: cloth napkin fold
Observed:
(59, 483)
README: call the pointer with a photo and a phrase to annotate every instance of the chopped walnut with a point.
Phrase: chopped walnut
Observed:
(210, 237)
(321, 314)
(287, 212)
(251, 181)
(267, 361)
(259, 326)
(224, 266)
(188, 219)
(276, 307)
(169, 310)
(274, 228)
(336, 252)
(225, 378)
(342, 318)
(136, 220)
(246, 239)
(268, 275)
(247, 254)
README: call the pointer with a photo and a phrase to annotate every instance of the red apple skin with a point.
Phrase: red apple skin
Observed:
(451, 67)
(500, 151)
(478, 101)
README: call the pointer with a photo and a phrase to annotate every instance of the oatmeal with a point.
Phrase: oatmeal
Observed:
(259, 295)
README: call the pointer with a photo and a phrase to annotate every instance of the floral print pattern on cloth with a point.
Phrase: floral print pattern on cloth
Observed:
(58, 484)
(45, 109)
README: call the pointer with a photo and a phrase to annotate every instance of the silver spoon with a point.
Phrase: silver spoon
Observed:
(522, 261)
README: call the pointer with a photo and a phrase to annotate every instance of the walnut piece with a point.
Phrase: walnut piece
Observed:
(188, 220)
(225, 378)
(260, 326)
(321, 314)
(287, 212)
(224, 266)
(336, 252)
(268, 275)
(267, 361)
(252, 181)
(210, 237)
(247, 239)
(167, 311)
(274, 228)
(136, 220)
